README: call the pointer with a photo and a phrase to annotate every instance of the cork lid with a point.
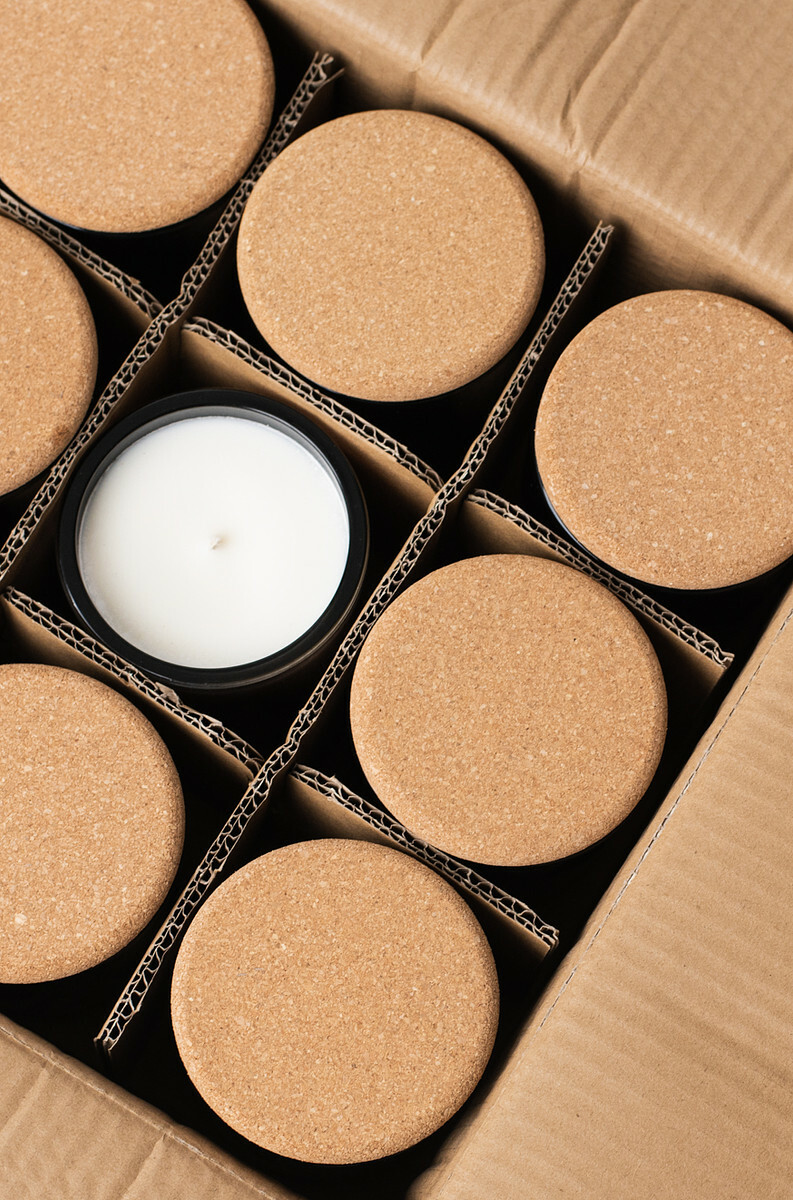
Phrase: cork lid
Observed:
(508, 709)
(665, 439)
(91, 822)
(127, 116)
(335, 1001)
(48, 355)
(391, 255)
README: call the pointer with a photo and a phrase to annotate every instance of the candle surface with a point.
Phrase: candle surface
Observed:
(214, 541)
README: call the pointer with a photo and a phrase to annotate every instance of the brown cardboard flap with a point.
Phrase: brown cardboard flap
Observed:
(222, 358)
(675, 121)
(506, 527)
(660, 1060)
(138, 304)
(318, 794)
(67, 1133)
(66, 645)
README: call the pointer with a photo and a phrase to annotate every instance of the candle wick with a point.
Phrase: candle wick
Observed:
(217, 541)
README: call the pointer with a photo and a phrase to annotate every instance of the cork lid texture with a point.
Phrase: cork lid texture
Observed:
(130, 116)
(335, 1001)
(664, 440)
(91, 822)
(48, 355)
(391, 255)
(508, 709)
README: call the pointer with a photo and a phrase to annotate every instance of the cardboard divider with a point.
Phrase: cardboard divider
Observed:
(427, 531)
(326, 802)
(215, 768)
(138, 1039)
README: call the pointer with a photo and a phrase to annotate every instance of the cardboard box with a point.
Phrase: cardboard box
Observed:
(658, 1059)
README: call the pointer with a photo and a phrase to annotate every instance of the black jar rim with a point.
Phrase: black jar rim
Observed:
(167, 411)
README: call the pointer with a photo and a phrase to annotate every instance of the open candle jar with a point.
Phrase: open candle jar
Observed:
(216, 539)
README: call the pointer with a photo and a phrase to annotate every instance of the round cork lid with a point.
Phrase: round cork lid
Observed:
(665, 439)
(508, 709)
(129, 116)
(91, 822)
(391, 255)
(48, 355)
(335, 1001)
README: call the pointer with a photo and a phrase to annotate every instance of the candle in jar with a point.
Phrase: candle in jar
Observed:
(213, 541)
(663, 439)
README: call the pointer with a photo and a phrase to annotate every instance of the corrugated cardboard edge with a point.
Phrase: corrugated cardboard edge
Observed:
(427, 528)
(321, 71)
(589, 259)
(437, 1182)
(130, 288)
(626, 592)
(52, 1159)
(212, 729)
(456, 872)
(314, 396)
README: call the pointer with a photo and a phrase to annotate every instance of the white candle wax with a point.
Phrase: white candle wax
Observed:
(213, 541)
